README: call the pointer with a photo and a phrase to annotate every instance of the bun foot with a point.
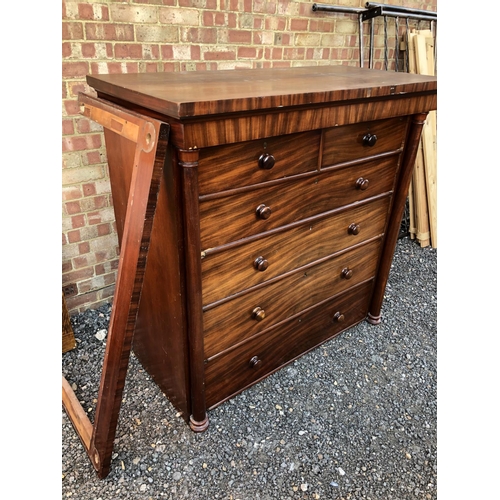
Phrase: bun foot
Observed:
(198, 426)
(374, 320)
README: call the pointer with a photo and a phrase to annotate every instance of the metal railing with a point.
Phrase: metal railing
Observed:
(403, 18)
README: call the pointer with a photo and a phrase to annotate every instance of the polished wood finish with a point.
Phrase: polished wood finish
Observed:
(234, 370)
(278, 208)
(234, 214)
(151, 138)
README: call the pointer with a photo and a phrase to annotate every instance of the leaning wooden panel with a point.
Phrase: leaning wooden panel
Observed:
(150, 137)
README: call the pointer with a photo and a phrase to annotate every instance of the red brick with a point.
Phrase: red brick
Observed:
(249, 52)
(223, 55)
(73, 207)
(66, 50)
(84, 247)
(80, 262)
(299, 24)
(148, 67)
(103, 229)
(199, 4)
(72, 31)
(128, 51)
(321, 25)
(112, 32)
(75, 87)
(167, 52)
(294, 53)
(265, 7)
(67, 267)
(77, 221)
(91, 13)
(71, 193)
(275, 23)
(94, 158)
(77, 69)
(89, 189)
(239, 36)
(71, 107)
(68, 127)
(74, 236)
(80, 143)
(199, 35)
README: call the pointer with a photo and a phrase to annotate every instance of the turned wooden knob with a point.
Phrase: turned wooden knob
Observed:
(346, 273)
(266, 161)
(260, 264)
(255, 361)
(369, 139)
(362, 183)
(263, 211)
(258, 314)
(353, 228)
(338, 317)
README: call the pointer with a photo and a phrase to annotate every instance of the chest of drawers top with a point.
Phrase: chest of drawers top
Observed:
(214, 107)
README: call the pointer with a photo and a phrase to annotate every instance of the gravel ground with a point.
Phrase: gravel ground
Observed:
(354, 419)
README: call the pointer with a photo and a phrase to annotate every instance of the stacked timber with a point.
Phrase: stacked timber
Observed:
(423, 189)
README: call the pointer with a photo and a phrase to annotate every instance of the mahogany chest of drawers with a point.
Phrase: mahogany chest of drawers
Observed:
(278, 209)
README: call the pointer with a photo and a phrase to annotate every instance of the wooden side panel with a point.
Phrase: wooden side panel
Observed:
(120, 153)
(160, 339)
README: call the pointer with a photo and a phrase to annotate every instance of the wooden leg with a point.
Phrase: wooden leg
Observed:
(188, 160)
(151, 138)
(391, 238)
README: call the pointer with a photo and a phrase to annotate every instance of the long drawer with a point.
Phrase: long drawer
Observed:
(247, 315)
(361, 140)
(253, 162)
(256, 358)
(235, 269)
(238, 215)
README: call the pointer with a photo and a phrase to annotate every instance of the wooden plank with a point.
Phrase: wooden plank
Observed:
(420, 210)
(151, 142)
(424, 51)
(76, 414)
(68, 337)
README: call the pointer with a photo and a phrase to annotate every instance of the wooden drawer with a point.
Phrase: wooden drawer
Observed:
(236, 369)
(239, 215)
(347, 143)
(253, 162)
(239, 319)
(227, 272)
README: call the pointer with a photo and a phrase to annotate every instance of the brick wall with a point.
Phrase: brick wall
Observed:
(107, 36)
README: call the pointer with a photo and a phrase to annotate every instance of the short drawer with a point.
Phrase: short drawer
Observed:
(227, 272)
(238, 368)
(229, 218)
(243, 317)
(253, 162)
(351, 142)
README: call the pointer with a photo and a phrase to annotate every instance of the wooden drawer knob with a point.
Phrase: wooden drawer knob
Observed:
(258, 314)
(346, 273)
(260, 264)
(362, 183)
(353, 229)
(266, 161)
(263, 211)
(338, 317)
(369, 139)
(255, 361)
